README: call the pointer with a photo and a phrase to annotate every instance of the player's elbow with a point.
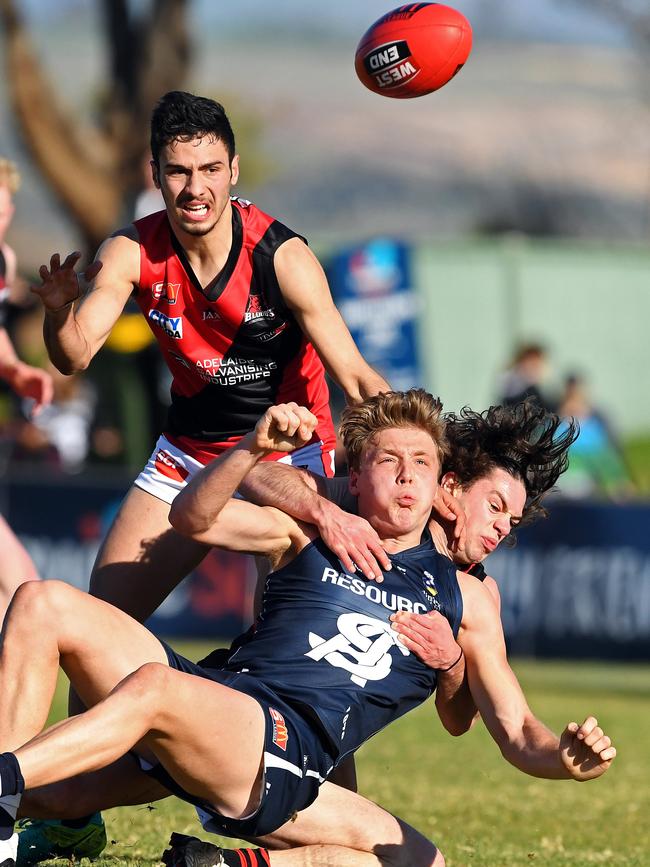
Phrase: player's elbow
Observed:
(184, 520)
(69, 368)
(457, 726)
(513, 748)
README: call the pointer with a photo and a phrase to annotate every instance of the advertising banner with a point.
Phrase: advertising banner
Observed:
(373, 289)
(578, 583)
(61, 523)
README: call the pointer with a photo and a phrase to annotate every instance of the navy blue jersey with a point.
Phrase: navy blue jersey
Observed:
(324, 642)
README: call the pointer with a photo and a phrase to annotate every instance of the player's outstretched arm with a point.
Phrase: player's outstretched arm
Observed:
(304, 287)
(80, 309)
(205, 510)
(305, 497)
(583, 753)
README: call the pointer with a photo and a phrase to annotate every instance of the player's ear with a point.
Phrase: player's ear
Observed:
(451, 483)
(234, 170)
(353, 482)
(155, 174)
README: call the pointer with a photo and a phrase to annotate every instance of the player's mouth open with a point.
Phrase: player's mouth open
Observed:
(196, 211)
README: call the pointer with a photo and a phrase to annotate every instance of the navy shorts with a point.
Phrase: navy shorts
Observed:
(296, 761)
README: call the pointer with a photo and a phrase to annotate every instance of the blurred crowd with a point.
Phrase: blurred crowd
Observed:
(597, 462)
(109, 415)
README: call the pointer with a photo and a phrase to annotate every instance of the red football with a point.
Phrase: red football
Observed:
(413, 50)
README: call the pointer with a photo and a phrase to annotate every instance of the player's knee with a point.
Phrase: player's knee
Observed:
(41, 602)
(150, 688)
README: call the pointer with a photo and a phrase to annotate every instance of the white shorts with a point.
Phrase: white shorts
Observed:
(169, 469)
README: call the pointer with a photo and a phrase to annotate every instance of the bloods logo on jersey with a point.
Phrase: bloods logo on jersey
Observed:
(254, 310)
(166, 292)
(171, 325)
(167, 465)
(280, 734)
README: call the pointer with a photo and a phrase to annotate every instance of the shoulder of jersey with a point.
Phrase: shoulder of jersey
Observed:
(244, 203)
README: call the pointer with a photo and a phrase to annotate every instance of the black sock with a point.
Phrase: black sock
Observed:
(12, 785)
(191, 850)
(11, 780)
(246, 857)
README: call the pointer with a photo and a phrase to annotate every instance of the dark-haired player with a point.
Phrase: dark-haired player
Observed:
(243, 315)
(251, 745)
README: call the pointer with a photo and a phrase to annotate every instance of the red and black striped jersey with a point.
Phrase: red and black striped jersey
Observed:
(233, 347)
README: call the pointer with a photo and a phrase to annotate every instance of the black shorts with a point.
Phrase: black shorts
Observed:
(296, 761)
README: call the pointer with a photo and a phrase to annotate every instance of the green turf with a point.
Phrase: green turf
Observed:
(637, 457)
(462, 794)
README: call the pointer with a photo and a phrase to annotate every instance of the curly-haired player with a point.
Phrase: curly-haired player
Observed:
(500, 464)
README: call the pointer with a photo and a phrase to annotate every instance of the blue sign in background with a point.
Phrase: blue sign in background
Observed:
(62, 522)
(373, 289)
(578, 583)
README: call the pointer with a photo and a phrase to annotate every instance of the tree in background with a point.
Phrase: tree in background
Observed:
(96, 172)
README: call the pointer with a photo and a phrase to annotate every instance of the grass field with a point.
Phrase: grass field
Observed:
(461, 793)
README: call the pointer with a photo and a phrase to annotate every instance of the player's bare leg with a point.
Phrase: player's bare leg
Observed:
(340, 829)
(113, 660)
(50, 623)
(345, 829)
(192, 736)
(142, 559)
(121, 784)
(16, 566)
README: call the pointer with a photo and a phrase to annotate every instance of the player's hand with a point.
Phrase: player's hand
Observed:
(354, 542)
(60, 284)
(283, 428)
(447, 507)
(33, 382)
(428, 636)
(586, 752)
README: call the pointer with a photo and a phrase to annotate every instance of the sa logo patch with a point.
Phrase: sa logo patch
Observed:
(280, 734)
(165, 292)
